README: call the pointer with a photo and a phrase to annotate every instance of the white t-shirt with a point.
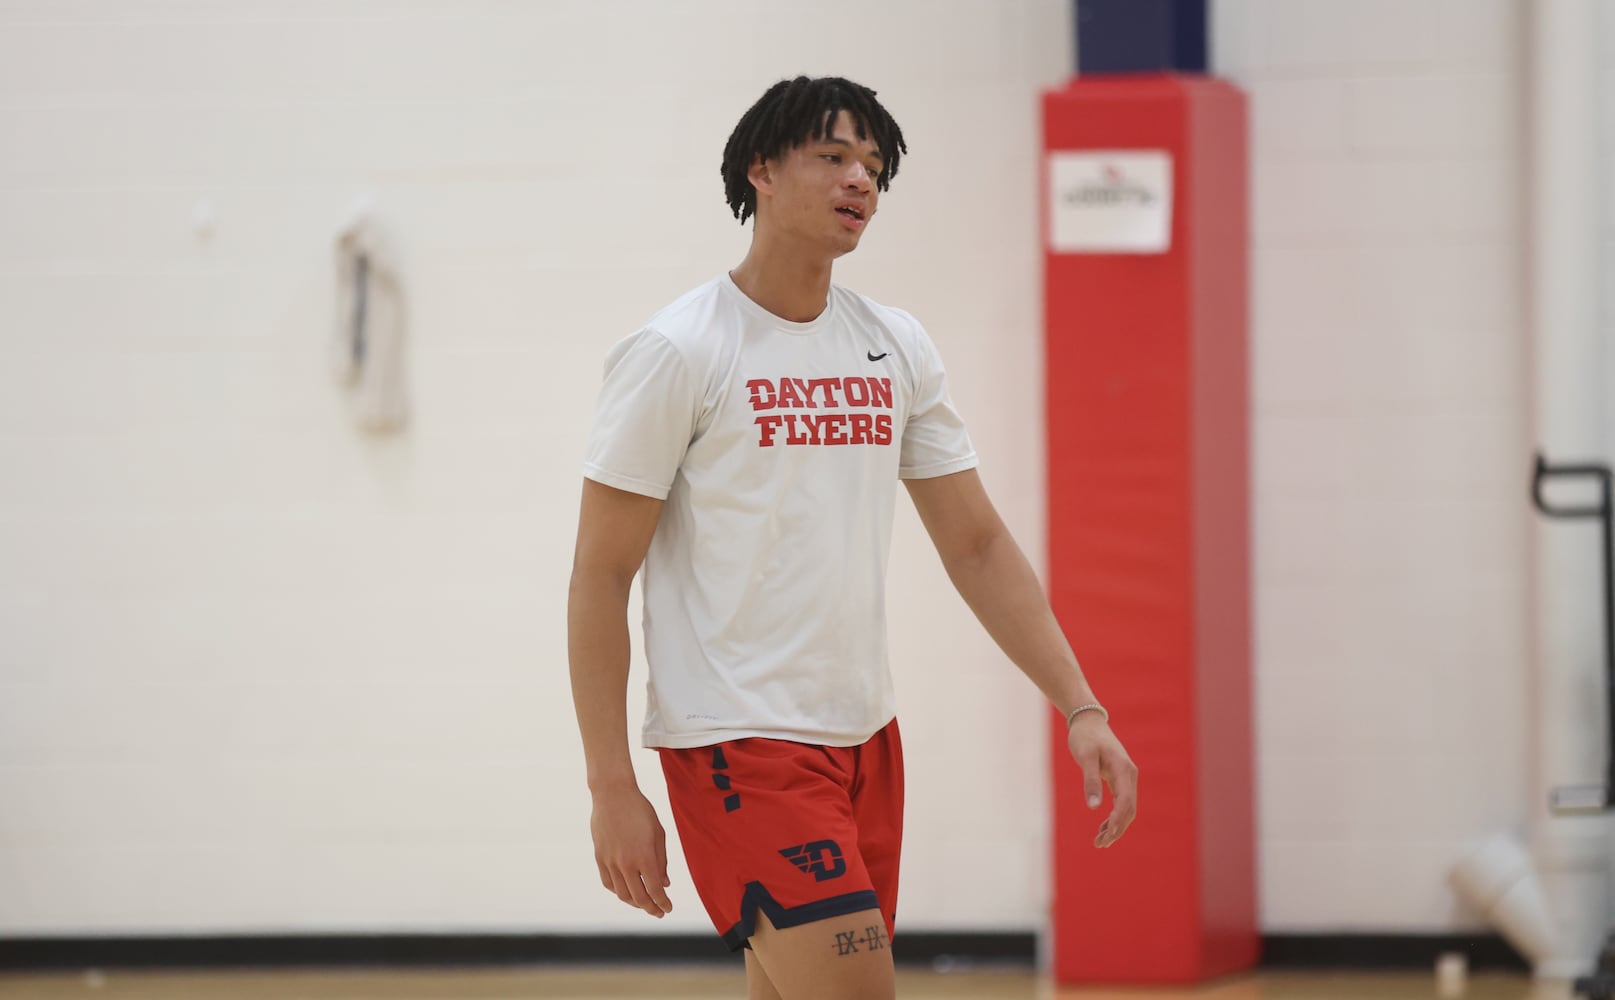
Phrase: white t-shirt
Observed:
(777, 447)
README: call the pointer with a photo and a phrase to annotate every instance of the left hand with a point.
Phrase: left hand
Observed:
(1104, 761)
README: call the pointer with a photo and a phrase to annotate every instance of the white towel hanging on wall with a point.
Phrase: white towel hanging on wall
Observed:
(368, 349)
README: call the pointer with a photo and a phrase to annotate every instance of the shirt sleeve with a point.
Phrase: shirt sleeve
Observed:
(935, 442)
(644, 417)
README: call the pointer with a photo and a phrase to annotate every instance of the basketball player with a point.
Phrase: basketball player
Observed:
(746, 450)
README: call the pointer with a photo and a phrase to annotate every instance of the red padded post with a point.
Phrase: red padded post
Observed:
(1149, 541)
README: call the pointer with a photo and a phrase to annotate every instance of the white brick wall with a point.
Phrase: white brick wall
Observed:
(258, 672)
(1391, 449)
(1606, 146)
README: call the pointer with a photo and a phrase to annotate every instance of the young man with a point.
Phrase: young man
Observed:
(746, 450)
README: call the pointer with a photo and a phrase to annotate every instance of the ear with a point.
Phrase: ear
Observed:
(761, 175)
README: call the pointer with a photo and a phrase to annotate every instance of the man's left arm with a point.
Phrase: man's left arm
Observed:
(996, 581)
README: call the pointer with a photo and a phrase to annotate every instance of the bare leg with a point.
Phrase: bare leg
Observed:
(841, 958)
(758, 985)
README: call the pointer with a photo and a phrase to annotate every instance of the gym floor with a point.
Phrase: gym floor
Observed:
(652, 983)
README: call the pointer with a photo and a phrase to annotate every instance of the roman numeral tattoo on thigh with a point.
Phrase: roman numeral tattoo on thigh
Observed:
(851, 942)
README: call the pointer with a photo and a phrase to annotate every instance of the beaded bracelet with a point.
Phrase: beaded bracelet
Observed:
(1091, 707)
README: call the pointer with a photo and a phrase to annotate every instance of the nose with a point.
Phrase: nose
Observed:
(859, 177)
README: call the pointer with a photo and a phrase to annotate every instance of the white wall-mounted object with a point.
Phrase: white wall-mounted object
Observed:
(368, 350)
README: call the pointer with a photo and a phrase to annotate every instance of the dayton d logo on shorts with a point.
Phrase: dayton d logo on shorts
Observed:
(821, 859)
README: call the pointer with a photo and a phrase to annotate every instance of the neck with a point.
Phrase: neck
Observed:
(790, 284)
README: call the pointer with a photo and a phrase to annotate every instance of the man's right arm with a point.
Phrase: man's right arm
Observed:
(630, 846)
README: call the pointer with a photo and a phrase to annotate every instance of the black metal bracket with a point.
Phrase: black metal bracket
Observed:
(1572, 800)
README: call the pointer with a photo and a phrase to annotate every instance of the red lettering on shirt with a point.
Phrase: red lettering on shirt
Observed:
(762, 394)
(856, 393)
(863, 428)
(792, 435)
(806, 390)
(828, 387)
(768, 425)
(833, 428)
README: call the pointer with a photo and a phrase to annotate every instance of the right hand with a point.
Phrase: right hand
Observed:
(630, 848)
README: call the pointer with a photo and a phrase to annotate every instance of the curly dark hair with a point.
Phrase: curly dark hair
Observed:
(791, 112)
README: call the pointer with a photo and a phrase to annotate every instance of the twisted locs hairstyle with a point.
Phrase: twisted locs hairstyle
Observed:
(793, 111)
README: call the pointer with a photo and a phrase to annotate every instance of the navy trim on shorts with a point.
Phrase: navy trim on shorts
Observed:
(756, 897)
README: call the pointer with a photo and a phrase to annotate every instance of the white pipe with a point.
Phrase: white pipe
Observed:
(1496, 879)
(1572, 854)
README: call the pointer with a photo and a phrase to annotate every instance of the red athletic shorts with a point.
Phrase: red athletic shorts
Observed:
(798, 831)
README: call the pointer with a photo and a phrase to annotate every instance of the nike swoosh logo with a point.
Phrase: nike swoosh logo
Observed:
(875, 357)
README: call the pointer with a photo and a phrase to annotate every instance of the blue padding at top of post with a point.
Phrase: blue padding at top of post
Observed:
(1141, 36)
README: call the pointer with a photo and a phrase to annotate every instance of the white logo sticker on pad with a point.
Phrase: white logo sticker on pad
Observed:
(1110, 201)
